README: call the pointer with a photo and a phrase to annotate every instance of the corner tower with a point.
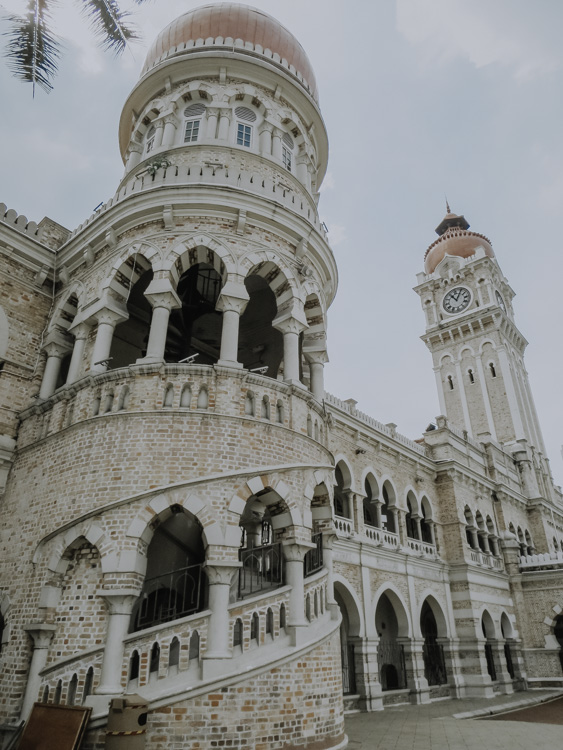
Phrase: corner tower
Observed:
(173, 464)
(477, 349)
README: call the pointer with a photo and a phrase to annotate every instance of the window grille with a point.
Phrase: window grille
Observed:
(244, 134)
(288, 140)
(287, 158)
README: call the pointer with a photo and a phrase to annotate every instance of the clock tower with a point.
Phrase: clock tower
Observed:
(477, 349)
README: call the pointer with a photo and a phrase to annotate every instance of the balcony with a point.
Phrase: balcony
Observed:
(546, 561)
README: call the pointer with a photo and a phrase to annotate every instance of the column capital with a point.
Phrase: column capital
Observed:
(277, 132)
(170, 119)
(290, 323)
(221, 571)
(119, 601)
(41, 632)
(265, 127)
(315, 356)
(135, 147)
(80, 329)
(233, 298)
(57, 343)
(212, 111)
(226, 112)
(295, 551)
(107, 311)
(160, 293)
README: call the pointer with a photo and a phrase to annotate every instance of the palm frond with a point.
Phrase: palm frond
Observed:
(109, 23)
(33, 50)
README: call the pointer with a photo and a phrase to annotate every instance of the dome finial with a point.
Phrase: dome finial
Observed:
(448, 210)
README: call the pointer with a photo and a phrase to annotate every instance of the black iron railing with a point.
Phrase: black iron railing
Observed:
(391, 660)
(169, 597)
(348, 670)
(434, 664)
(313, 560)
(262, 569)
(491, 669)
(509, 661)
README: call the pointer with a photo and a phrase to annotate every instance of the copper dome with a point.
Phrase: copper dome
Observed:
(455, 239)
(233, 21)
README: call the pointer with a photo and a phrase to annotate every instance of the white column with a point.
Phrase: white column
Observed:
(486, 398)
(163, 299)
(211, 126)
(220, 575)
(462, 396)
(440, 389)
(120, 605)
(107, 318)
(169, 135)
(329, 537)
(510, 393)
(232, 302)
(277, 144)
(41, 634)
(265, 133)
(135, 151)
(80, 332)
(291, 326)
(158, 135)
(224, 124)
(55, 353)
(316, 360)
(301, 171)
(294, 553)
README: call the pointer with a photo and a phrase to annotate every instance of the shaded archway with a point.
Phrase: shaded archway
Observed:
(412, 516)
(488, 629)
(195, 327)
(388, 509)
(558, 633)
(130, 337)
(370, 501)
(433, 651)
(391, 624)
(342, 492)
(350, 628)
(260, 344)
(508, 635)
(174, 584)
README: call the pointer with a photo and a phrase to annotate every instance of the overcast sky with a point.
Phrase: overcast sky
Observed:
(421, 98)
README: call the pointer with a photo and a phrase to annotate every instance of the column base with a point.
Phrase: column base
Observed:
(100, 703)
(298, 633)
(150, 361)
(213, 664)
(233, 365)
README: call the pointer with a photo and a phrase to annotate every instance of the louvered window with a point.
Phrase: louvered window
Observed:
(194, 110)
(244, 135)
(288, 140)
(243, 113)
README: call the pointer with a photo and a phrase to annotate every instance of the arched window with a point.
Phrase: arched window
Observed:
(134, 665)
(287, 151)
(316, 604)
(482, 535)
(270, 622)
(123, 402)
(470, 529)
(471, 376)
(192, 115)
(309, 426)
(492, 370)
(265, 408)
(58, 693)
(71, 695)
(342, 491)
(154, 662)
(370, 508)
(237, 633)
(433, 652)
(88, 684)
(529, 544)
(45, 696)
(194, 646)
(174, 653)
(255, 628)
(202, 398)
(451, 382)
(186, 397)
(282, 617)
(308, 607)
(168, 396)
(108, 402)
(249, 404)
(410, 518)
(426, 523)
(279, 412)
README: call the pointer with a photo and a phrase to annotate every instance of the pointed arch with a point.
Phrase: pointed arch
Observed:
(438, 610)
(400, 608)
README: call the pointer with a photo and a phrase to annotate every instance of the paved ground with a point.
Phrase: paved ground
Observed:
(433, 727)
(550, 712)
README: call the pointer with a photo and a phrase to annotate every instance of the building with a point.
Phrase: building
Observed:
(186, 514)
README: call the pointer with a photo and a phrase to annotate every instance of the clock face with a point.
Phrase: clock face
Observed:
(456, 299)
(500, 301)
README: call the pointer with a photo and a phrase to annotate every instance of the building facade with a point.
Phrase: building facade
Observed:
(187, 515)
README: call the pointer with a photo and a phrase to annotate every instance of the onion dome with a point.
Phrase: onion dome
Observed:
(238, 28)
(455, 239)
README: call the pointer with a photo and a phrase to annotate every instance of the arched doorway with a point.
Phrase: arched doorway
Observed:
(508, 636)
(342, 492)
(558, 633)
(349, 638)
(130, 338)
(433, 651)
(390, 652)
(260, 344)
(174, 581)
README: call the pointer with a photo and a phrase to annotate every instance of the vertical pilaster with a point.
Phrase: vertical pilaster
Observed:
(41, 634)
(120, 605)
